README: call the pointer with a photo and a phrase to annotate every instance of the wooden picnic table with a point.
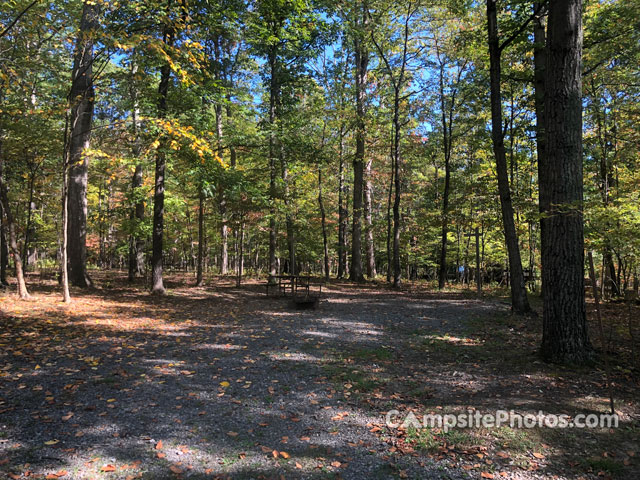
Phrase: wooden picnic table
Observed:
(293, 284)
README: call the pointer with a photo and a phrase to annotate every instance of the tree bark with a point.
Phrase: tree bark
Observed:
(13, 238)
(199, 270)
(224, 227)
(519, 299)
(369, 245)
(396, 188)
(157, 284)
(136, 245)
(274, 100)
(446, 140)
(29, 230)
(64, 264)
(362, 62)
(325, 243)
(343, 215)
(565, 336)
(539, 62)
(81, 101)
(289, 222)
(4, 251)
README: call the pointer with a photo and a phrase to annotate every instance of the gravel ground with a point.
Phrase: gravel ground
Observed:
(219, 382)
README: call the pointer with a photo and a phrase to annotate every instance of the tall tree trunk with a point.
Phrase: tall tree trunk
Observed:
(368, 218)
(13, 238)
(240, 260)
(397, 186)
(157, 284)
(362, 63)
(291, 235)
(81, 100)
(199, 269)
(389, 222)
(343, 216)
(540, 65)
(565, 336)
(519, 300)
(446, 140)
(325, 243)
(274, 100)
(224, 227)
(4, 251)
(28, 233)
(136, 245)
(64, 264)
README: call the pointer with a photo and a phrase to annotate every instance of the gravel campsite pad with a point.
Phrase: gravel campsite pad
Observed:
(219, 382)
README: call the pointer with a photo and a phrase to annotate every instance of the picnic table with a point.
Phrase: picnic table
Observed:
(294, 284)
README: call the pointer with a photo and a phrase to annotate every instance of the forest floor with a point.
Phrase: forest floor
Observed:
(223, 382)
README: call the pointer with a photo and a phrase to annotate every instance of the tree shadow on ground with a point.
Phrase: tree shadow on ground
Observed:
(221, 381)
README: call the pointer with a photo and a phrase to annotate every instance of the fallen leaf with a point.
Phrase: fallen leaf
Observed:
(538, 455)
(51, 442)
(108, 468)
(159, 445)
(58, 474)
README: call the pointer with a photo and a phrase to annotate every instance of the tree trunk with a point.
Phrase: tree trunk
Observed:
(325, 243)
(81, 101)
(291, 235)
(13, 239)
(4, 251)
(389, 222)
(397, 186)
(362, 62)
(199, 279)
(157, 284)
(274, 100)
(519, 300)
(240, 260)
(343, 216)
(136, 245)
(565, 336)
(224, 227)
(64, 264)
(28, 231)
(369, 245)
(446, 140)
(539, 62)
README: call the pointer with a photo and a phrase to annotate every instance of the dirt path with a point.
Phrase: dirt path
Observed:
(220, 382)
